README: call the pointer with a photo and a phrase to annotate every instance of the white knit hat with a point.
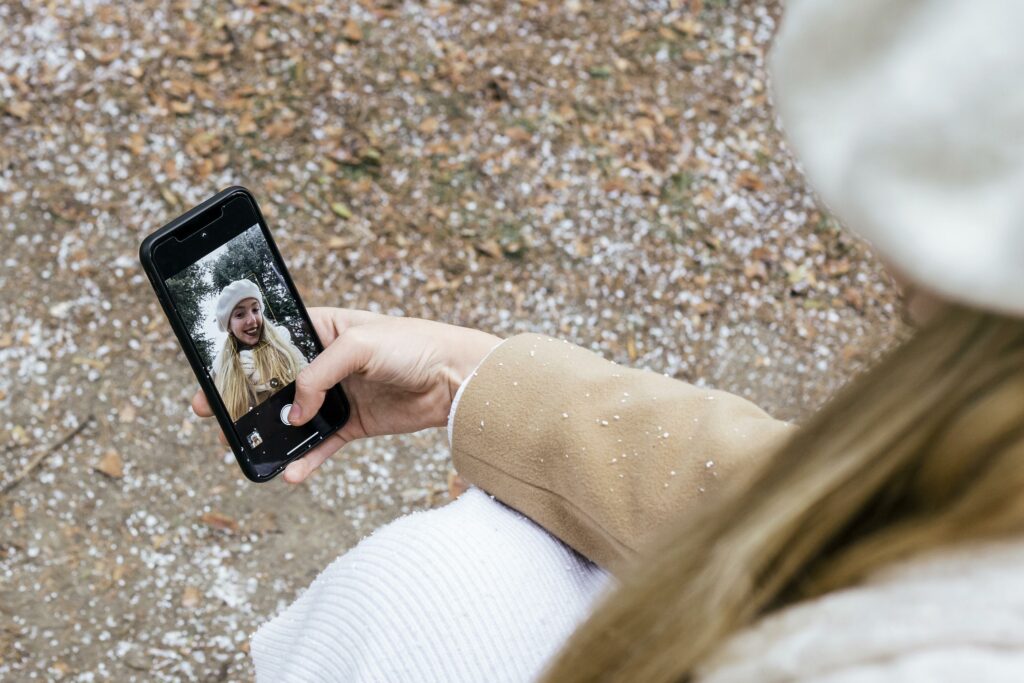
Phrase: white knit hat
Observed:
(231, 295)
(908, 118)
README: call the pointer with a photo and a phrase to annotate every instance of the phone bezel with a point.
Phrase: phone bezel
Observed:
(186, 225)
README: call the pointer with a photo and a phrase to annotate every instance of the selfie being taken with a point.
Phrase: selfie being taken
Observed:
(258, 358)
(241, 340)
(532, 341)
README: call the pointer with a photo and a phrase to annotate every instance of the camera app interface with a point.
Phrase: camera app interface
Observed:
(246, 327)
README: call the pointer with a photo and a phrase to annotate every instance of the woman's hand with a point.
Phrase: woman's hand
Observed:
(400, 376)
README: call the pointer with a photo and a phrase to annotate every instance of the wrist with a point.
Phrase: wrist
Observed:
(468, 353)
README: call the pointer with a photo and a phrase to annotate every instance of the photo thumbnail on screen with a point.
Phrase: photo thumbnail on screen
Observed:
(243, 321)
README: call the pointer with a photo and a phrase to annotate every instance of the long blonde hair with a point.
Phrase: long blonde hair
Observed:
(275, 357)
(924, 451)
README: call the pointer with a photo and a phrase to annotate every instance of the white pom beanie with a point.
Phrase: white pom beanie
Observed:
(908, 118)
(231, 295)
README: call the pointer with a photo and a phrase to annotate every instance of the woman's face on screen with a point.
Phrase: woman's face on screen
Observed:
(246, 321)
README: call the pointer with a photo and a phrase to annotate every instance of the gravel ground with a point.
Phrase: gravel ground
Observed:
(610, 173)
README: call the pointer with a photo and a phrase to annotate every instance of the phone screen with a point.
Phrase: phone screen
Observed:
(246, 324)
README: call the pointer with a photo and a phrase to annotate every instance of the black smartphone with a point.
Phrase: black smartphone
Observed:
(243, 328)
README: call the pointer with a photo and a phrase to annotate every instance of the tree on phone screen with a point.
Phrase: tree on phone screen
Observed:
(189, 290)
(248, 256)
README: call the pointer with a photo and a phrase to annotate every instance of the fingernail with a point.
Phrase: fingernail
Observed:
(295, 413)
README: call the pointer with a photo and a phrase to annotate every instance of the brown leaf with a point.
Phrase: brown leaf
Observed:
(221, 50)
(181, 107)
(19, 109)
(748, 180)
(280, 128)
(178, 88)
(628, 36)
(688, 27)
(456, 485)
(488, 248)
(756, 270)
(854, 298)
(126, 413)
(518, 134)
(429, 126)
(435, 284)
(352, 32)
(206, 68)
(111, 465)
(19, 512)
(134, 143)
(837, 267)
(646, 128)
(246, 124)
(339, 242)
(220, 521)
(262, 40)
(190, 597)
(169, 196)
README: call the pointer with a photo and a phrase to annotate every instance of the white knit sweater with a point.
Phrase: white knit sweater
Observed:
(472, 591)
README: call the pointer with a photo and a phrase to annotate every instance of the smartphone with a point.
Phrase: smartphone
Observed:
(242, 326)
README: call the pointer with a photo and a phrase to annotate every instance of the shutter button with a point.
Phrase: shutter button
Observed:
(284, 414)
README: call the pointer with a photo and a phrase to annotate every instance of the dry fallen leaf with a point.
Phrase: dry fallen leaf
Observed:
(126, 413)
(628, 36)
(111, 465)
(19, 109)
(352, 32)
(190, 596)
(756, 270)
(341, 211)
(19, 512)
(340, 242)
(854, 298)
(748, 180)
(488, 248)
(246, 124)
(456, 485)
(220, 521)
(429, 126)
(262, 40)
(688, 27)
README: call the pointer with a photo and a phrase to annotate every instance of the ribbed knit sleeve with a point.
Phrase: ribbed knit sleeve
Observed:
(469, 592)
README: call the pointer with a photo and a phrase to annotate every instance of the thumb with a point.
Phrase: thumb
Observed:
(346, 355)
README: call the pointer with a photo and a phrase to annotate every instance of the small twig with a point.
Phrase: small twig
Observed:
(35, 461)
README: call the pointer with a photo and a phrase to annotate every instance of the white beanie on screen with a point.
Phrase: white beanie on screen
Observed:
(908, 118)
(238, 290)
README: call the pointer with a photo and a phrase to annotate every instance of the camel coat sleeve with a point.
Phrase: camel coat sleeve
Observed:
(598, 454)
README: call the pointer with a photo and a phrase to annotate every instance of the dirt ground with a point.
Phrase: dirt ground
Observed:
(610, 173)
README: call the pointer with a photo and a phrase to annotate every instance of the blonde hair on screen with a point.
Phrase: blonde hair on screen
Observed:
(275, 357)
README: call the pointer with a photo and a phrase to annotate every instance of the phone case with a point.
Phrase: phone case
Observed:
(146, 257)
